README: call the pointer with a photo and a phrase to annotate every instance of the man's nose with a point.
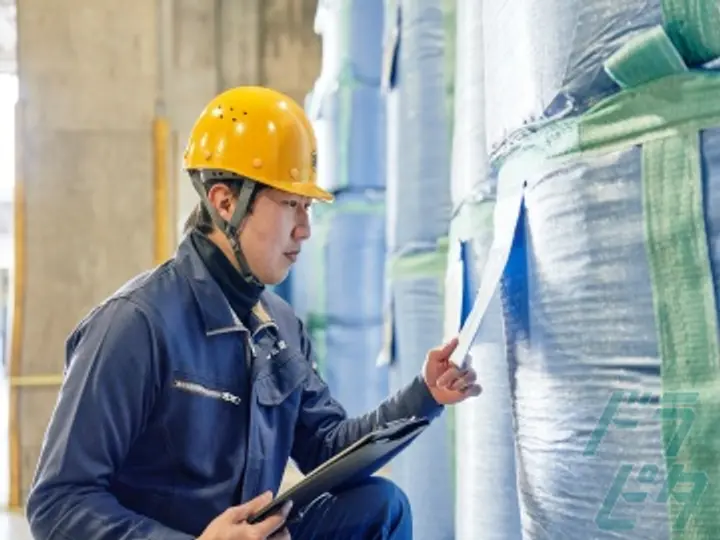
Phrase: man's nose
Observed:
(302, 229)
(301, 232)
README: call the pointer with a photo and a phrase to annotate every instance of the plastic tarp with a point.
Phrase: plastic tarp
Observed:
(486, 494)
(419, 206)
(419, 203)
(611, 226)
(350, 131)
(425, 469)
(546, 56)
(347, 106)
(338, 290)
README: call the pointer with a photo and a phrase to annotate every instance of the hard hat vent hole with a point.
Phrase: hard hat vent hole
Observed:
(245, 113)
(234, 119)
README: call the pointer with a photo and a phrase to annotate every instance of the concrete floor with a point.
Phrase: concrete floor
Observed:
(13, 527)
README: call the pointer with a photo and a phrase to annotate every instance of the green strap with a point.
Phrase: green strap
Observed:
(419, 265)
(474, 218)
(648, 57)
(682, 282)
(694, 27)
(686, 315)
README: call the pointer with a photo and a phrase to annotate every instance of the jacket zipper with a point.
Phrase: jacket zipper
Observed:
(199, 389)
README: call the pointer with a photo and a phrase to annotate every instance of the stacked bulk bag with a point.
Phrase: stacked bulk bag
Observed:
(338, 286)
(347, 105)
(543, 58)
(342, 273)
(487, 500)
(604, 256)
(418, 211)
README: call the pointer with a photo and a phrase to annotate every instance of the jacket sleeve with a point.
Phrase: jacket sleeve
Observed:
(108, 392)
(323, 428)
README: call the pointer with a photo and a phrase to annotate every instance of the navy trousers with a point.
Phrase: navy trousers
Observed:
(375, 509)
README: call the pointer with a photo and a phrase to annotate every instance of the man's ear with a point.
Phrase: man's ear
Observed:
(221, 198)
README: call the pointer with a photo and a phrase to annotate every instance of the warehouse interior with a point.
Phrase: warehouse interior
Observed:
(540, 177)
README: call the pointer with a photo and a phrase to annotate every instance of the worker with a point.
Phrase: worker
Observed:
(187, 391)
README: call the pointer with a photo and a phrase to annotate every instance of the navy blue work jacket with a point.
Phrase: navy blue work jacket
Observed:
(172, 410)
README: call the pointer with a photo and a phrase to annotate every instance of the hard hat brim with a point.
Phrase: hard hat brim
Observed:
(304, 189)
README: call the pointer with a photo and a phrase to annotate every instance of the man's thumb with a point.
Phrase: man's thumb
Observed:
(244, 511)
(445, 350)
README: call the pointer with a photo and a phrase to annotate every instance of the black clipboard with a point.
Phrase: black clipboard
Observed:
(357, 462)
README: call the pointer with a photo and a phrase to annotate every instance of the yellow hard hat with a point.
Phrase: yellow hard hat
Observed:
(259, 134)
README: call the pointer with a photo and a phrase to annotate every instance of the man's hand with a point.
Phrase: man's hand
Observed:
(232, 524)
(448, 384)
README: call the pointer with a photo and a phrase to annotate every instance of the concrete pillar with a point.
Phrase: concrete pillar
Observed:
(94, 76)
(85, 168)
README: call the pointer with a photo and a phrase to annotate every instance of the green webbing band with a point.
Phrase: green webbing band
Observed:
(419, 265)
(683, 286)
(694, 28)
(649, 57)
(685, 311)
(473, 218)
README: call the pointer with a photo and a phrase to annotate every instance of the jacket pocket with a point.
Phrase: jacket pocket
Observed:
(284, 377)
(206, 424)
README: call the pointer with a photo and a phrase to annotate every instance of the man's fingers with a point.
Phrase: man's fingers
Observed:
(253, 506)
(463, 382)
(273, 523)
(447, 378)
(454, 376)
(472, 391)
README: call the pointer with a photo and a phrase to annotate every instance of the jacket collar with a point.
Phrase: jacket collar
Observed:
(215, 311)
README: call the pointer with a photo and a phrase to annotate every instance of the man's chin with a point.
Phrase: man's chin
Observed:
(276, 279)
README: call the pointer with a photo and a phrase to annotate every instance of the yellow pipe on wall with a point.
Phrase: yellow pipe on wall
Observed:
(18, 320)
(161, 190)
(21, 381)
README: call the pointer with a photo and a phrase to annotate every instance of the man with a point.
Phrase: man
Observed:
(188, 390)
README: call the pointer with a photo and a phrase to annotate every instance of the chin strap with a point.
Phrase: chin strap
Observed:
(230, 228)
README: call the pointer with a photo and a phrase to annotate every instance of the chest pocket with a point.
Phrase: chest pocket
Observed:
(281, 372)
(206, 423)
(278, 392)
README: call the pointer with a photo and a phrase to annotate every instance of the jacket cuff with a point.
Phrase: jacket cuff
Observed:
(420, 401)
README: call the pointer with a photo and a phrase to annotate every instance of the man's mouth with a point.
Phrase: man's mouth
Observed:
(292, 255)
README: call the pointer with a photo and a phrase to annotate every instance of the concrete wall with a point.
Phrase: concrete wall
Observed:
(92, 76)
